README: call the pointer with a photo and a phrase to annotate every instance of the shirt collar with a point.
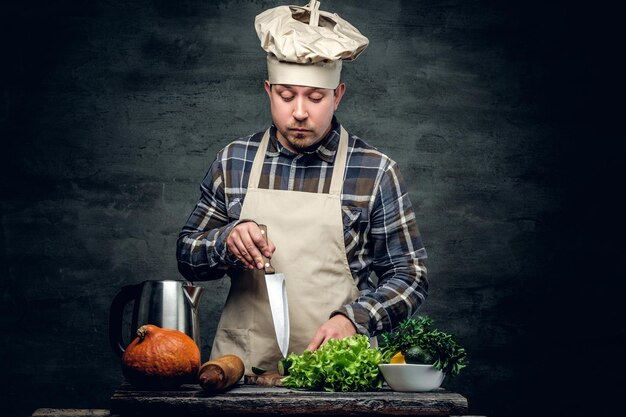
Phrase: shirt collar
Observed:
(326, 149)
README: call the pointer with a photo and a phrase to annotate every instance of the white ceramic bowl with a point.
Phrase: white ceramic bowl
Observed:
(411, 377)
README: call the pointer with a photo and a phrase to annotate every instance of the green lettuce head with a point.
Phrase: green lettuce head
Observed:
(348, 364)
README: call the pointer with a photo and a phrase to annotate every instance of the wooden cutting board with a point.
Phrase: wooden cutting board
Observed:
(267, 379)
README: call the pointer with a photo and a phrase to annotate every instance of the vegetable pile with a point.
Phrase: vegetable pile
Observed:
(417, 334)
(350, 364)
(344, 365)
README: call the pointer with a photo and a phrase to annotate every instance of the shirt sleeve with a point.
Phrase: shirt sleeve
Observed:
(201, 246)
(397, 259)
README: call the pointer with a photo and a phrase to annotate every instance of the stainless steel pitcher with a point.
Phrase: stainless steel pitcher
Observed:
(169, 304)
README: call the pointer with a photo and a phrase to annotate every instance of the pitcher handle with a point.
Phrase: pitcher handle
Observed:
(127, 294)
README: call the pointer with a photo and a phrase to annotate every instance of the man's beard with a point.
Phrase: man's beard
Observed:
(299, 141)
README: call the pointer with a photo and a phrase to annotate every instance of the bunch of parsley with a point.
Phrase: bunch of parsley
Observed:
(449, 356)
(343, 365)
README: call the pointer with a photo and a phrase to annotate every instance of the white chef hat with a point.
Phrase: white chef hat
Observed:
(305, 46)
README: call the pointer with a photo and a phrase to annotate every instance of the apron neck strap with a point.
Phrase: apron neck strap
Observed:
(257, 164)
(339, 167)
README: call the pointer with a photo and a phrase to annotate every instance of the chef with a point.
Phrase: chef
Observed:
(336, 209)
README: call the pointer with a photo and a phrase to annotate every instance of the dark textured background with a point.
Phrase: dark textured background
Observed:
(500, 116)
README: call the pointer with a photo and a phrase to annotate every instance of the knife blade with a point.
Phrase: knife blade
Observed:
(277, 294)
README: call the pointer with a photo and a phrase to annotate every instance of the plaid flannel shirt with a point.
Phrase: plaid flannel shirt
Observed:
(380, 230)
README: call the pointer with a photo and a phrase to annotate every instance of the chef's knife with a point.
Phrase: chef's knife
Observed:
(277, 294)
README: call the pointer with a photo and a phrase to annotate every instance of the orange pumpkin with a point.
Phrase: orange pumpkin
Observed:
(161, 358)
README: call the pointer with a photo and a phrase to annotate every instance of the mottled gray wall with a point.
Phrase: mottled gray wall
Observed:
(113, 110)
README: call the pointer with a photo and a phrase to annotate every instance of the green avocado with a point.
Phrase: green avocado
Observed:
(258, 371)
(417, 355)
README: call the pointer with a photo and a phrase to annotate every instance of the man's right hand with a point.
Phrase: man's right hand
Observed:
(247, 243)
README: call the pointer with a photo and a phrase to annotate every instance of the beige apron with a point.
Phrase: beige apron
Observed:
(307, 229)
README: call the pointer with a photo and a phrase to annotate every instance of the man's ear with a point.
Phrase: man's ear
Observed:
(268, 88)
(339, 92)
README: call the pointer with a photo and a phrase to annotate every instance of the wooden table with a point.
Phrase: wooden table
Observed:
(259, 401)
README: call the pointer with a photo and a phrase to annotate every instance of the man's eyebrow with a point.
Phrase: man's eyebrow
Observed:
(311, 89)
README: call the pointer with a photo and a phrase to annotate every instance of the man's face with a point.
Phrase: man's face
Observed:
(302, 115)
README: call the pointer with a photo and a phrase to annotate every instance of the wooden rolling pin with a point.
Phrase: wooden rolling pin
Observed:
(221, 374)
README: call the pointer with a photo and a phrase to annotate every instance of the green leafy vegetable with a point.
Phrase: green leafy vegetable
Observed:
(344, 365)
(404, 337)
(449, 356)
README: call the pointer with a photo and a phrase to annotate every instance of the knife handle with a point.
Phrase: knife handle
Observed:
(267, 265)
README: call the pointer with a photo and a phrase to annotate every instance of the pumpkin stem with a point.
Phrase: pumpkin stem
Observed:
(142, 331)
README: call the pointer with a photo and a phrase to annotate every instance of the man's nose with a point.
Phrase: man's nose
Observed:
(299, 110)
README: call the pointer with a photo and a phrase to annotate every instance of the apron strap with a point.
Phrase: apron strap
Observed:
(257, 164)
(339, 167)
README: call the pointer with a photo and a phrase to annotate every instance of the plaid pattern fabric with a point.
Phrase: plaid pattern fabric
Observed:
(380, 230)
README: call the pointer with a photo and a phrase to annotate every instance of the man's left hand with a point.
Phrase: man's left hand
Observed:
(337, 327)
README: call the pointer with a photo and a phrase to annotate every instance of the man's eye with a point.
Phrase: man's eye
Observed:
(316, 99)
(287, 98)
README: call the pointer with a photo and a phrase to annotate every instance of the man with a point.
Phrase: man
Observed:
(336, 209)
